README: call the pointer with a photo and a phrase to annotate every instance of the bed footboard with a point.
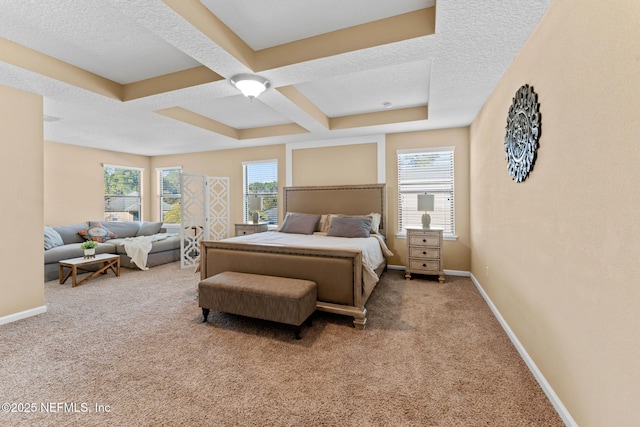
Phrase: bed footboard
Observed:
(337, 273)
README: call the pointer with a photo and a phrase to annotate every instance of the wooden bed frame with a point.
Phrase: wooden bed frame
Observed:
(337, 273)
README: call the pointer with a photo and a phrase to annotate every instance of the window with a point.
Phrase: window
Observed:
(426, 171)
(122, 201)
(261, 179)
(170, 194)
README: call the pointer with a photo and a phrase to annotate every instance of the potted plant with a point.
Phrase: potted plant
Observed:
(89, 248)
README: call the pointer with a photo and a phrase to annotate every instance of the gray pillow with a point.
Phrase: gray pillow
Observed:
(350, 226)
(69, 233)
(52, 238)
(149, 228)
(299, 223)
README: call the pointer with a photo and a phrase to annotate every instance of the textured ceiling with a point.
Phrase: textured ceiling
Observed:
(151, 77)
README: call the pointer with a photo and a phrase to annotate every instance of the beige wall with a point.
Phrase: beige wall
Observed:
(337, 165)
(74, 182)
(562, 247)
(223, 163)
(456, 253)
(21, 252)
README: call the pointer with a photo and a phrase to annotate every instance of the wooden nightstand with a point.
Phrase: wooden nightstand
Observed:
(424, 252)
(250, 228)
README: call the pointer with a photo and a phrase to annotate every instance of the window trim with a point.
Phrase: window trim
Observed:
(245, 210)
(141, 184)
(446, 235)
(159, 193)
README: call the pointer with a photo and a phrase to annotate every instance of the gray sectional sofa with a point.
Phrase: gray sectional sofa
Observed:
(63, 242)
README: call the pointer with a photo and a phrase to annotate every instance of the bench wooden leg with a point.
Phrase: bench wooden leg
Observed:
(296, 331)
(205, 314)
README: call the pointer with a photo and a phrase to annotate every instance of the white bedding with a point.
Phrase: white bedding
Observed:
(373, 249)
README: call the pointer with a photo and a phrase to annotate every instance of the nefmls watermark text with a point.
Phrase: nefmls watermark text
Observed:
(56, 407)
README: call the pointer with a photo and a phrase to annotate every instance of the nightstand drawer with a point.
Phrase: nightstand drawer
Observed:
(424, 252)
(418, 265)
(424, 239)
(244, 229)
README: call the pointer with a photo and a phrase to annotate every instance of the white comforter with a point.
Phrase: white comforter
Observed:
(138, 248)
(373, 248)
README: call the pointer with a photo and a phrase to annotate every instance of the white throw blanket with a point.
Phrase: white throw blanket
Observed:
(138, 248)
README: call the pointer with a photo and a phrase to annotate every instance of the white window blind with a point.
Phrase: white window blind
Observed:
(122, 199)
(170, 196)
(427, 171)
(261, 179)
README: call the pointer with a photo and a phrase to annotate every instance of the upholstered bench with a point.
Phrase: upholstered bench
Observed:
(278, 299)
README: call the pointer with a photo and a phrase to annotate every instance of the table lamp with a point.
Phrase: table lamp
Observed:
(426, 203)
(255, 204)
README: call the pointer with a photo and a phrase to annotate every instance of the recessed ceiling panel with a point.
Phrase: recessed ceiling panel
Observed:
(267, 23)
(403, 85)
(93, 35)
(237, 111)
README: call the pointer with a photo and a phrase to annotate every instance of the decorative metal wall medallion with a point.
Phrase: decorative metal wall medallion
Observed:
(523, 132)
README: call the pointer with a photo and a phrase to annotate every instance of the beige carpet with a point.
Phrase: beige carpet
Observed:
(432, 355)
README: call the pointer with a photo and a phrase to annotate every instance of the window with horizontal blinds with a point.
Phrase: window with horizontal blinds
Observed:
(427, 171)
(261, 180)
(122, 193)
(170, 196)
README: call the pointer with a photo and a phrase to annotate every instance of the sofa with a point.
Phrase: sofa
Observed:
(63, 242)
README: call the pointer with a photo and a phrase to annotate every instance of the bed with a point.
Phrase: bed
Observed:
(345, 274)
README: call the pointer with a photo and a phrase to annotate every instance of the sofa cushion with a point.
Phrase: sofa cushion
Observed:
(51, 238)
(97, 233)
(69, 233)
(122, 229)
(149, 228)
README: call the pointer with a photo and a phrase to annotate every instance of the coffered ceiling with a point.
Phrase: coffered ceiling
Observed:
(151, 77)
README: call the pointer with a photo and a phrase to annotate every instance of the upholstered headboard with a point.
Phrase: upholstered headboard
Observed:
(338, 199)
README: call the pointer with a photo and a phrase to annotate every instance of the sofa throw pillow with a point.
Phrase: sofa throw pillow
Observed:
(69, 233)
(97, 233)
(52, 238)
(350, 226)
(122, 229)
(299, 223)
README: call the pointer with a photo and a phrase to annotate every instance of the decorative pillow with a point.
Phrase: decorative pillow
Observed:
(52, 238)
(350, 226)
(122, 229)
(299, 223)
(375, 222)
(149, 228)
(97, 233)
(324, 227)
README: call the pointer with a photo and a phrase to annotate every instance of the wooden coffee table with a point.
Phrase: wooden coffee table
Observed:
(108, 261)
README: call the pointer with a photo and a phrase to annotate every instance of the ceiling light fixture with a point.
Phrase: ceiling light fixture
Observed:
(250, 85)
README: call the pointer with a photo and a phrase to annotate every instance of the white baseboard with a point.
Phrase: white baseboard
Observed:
(449, 272)
(546, 387)
(23, 315)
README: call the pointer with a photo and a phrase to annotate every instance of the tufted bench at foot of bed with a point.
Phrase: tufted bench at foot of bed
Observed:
(278, 299)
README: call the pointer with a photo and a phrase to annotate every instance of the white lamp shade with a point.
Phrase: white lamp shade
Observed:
(255, 203)
(250, 85)
(426, 202)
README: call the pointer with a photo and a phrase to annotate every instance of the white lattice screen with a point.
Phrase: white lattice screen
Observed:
(205, 214)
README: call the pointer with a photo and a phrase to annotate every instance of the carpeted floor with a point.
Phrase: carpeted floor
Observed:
(432, 355)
